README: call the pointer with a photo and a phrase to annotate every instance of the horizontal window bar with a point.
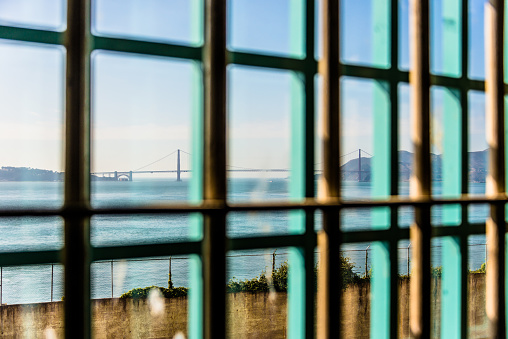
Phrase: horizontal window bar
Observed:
(146, 48)
(148, 250)
(29, 258)
(31, 35)
(307, 204)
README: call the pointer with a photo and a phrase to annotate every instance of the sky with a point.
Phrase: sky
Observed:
(142, 106)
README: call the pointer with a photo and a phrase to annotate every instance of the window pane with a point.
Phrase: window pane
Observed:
(179, 21)
(272, 27)
(31, 110)
(40, 14)
(31, 234)
(365, 32)
(141, 129)
(114, 230)
(260, 110)
(257, 293)
(137, 298)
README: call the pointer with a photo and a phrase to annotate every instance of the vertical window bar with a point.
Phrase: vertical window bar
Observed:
(464, 104)
(495, 226)
(394, 166)
(329, 240)
(77, 172)
(309, 166)
(420, 181)
(214, 175)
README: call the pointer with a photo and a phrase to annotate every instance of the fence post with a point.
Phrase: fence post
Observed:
(111, 279)
(51, 282)
(273, 262)
(408, 246)
(1, 285)
(366, 258)
(485, 255)
(170, 277)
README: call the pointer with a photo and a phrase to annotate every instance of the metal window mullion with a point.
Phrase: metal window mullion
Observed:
(464, 227)
(76, 252)
(310, 239)
(495, 226)
(420, 232)
(394, 169)
(329, 239)
(214, 174)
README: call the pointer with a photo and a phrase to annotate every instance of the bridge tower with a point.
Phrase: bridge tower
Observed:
(178, 166)
(359, 165)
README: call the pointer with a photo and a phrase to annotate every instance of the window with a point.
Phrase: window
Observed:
(209, 68)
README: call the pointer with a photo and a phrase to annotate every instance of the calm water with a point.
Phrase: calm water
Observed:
(33, 283)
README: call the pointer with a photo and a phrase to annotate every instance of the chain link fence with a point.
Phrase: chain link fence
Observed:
(110, 279)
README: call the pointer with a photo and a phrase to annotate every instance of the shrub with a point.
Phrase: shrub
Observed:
(170, 292)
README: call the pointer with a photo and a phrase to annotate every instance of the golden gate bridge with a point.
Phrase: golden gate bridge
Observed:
(354, 157)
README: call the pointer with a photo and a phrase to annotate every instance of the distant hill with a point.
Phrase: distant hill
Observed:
(28, 174)
(8, 173)
(477, 167)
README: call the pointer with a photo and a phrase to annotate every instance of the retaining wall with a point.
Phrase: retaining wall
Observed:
(261, 315)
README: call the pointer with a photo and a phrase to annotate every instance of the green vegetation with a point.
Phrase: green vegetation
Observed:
(169, 292)
(277, 281)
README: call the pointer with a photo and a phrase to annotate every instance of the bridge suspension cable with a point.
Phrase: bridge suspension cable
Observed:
(156, 161)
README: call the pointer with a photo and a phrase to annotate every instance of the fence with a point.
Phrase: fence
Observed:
(112, 278)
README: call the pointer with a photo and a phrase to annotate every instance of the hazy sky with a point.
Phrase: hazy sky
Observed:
(142, 106)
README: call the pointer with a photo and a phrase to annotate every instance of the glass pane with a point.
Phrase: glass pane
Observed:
(356, 269)
(179, 21)
(476, 67)
(144, 297)
(478, 325)
(273, 27)
(254, 223)
(30, 299)
(365, 32)
(114, 230)
(257, 293)
(365, 149)
(445, 39)
(141, 129)
(39, 14)
(31, 234)
(260, 111)
(403, 35)
(31, 111)
(406, 153)
(478, 147)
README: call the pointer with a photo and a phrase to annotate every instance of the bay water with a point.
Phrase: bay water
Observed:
(42, 283)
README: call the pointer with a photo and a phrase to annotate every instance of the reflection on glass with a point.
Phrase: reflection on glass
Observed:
(141, 129)
(177, 21)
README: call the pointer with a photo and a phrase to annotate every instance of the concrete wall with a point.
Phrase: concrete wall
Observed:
(261, 315)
